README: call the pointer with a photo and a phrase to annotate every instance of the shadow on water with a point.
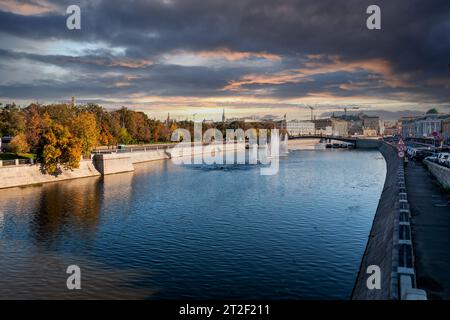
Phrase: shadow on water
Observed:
(74, 205)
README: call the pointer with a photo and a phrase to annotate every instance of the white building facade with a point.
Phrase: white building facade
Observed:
(425, 126)
(300, 128)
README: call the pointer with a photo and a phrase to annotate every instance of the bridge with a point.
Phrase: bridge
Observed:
(358, 142)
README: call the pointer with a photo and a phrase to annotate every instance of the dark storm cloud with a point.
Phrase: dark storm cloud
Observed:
(414, 42)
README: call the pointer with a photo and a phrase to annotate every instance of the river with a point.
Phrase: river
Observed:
(195, 232)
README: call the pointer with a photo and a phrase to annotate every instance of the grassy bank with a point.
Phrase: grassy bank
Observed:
(12, 156)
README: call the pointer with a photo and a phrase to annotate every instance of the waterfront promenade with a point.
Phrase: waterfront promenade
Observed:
(429, 206)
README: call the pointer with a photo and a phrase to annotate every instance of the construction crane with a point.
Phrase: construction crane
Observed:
(345, 110)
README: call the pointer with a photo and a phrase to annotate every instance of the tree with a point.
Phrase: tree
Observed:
(432, 111)
(59, 149)
(36, 125)
(139, 126)
(12, 120)
(60, 113)
(124, 137)
(19, 144)
(106, 138)
(84, 128)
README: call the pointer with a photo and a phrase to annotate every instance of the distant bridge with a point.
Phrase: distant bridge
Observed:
(358, 142)
(327, 138)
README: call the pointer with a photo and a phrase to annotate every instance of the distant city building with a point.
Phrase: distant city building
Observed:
(300, 128)
(446, 130)
(339, 127)
(408, 126)
(367, 132)
(389, 128)
(430, 125)
(323, 127)
(370, 124)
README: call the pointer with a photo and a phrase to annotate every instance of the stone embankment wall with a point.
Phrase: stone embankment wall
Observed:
(104, 164)
(380, 245)
(123, 162)
(25, 175)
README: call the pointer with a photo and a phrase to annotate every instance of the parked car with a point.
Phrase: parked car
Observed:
(432, 158)
(443, 157)
(421, 154)
(447, 162)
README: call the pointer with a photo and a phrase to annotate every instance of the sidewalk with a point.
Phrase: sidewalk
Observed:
(430, 209)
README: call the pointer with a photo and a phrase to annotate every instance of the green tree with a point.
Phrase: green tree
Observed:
(12, 120)
(432, 111)
(124, 137)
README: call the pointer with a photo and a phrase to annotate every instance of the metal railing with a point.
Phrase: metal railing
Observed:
(142, 149)
(16, 162)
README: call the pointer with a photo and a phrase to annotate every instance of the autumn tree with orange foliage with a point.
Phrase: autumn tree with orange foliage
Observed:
(59, 150)
(84, 128)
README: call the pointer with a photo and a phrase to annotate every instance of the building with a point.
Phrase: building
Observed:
(300, 128)
(321, 124)
(427, 126)
(430, 125)
(367, 132)
(339, 127)
(407, 126)
(370, 124)
(323, 127)
(445, 126)
(389, 129)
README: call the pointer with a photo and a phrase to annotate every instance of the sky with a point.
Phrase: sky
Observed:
(249, 57)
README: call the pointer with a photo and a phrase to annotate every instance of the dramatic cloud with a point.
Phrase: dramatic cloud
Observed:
(245, 54)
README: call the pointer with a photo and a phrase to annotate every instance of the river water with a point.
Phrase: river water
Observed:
(200, 232)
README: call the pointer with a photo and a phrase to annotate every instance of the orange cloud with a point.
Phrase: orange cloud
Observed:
(121, 62)
(317, 66)
(230, 55)
(27, 9)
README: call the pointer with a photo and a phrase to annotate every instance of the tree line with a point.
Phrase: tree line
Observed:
(60, 134)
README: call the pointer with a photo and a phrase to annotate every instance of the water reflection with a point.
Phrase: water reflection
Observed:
(68, 209)
(174, 231)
